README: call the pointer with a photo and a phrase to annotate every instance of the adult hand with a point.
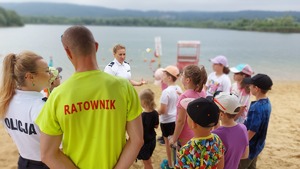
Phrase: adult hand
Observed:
(143, 82)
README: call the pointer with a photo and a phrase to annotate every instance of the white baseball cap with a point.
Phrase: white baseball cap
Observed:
(227, 102)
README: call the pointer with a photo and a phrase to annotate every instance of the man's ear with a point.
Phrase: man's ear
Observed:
(68, 53)
(97, 45)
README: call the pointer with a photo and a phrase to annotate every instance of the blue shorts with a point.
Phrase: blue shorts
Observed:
(30, 164)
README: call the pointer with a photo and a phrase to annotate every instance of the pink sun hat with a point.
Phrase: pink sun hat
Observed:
(220, 60)
(244, 68)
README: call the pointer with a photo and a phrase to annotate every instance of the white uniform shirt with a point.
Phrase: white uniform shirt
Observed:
(169, 97)
(117, 69)
(19, 123)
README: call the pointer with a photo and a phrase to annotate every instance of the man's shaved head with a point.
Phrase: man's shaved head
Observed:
(79, 40)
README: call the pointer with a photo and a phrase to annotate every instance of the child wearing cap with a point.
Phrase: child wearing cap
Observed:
(205, 149)
(167, 111)
(219, 79)
(158, 78)
(55, 81)
(258, 118)
(233, 135)
(241, 89)
(193, 79)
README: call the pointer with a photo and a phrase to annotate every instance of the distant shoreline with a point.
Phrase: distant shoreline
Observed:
(285, 24)
(64, 13)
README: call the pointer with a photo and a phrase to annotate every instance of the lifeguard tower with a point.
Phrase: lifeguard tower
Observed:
(188, 53)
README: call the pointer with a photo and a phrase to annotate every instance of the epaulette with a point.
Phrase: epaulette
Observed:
(126, 62)
(44, 99)
(111, 64)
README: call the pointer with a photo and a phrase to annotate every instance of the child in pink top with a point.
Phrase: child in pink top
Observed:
(242, 90)
(193, 79)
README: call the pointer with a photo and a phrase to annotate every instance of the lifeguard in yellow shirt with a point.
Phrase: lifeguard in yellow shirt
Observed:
(90, 113)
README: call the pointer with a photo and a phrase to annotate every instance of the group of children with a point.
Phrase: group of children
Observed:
(212, 121)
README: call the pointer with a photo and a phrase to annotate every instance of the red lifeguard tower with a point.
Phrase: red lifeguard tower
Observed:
(188, 53)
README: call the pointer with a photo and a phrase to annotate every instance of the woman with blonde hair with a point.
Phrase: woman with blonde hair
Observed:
(119, 67)
(23, 77)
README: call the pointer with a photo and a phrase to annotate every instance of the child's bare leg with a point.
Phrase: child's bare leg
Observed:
(148, 164)
(168, 150)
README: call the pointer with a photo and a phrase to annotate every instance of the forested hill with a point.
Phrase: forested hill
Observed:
(9, 18)
(71, 10)
(62, 13)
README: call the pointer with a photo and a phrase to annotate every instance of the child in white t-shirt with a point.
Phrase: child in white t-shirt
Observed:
(167, 111)
(219, 79)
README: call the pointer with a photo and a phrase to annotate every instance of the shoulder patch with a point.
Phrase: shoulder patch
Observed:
(126, 62)
(111, 64)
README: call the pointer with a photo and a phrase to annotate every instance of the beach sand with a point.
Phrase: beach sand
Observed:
(282, 144)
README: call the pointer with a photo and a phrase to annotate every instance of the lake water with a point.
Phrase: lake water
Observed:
(275, 54)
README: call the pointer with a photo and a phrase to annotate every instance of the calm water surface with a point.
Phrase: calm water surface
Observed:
(275, 54)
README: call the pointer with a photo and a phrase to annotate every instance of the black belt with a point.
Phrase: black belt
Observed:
(33, 161)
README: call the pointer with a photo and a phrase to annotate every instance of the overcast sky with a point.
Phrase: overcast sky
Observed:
(186, 5)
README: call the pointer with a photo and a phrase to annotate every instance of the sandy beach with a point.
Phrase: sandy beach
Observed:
(282, 144)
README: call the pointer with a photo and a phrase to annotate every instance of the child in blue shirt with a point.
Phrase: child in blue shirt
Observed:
(258, 118)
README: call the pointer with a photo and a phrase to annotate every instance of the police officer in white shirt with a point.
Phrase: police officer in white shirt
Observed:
(24, 75)
(119, 67)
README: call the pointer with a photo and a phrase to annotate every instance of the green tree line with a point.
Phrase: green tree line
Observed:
(281, 24)
(9, 18)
